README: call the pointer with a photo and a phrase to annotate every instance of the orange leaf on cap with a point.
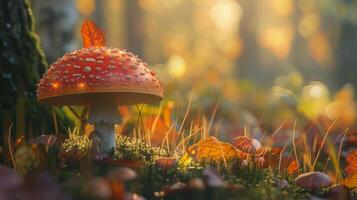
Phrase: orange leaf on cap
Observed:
(92, 36)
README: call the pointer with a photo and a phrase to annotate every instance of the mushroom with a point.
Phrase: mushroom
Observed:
(247, 145)
(122, 174)
(313, 180)
(338, 192)
(101, 78)
(48, 140)
(213, 179)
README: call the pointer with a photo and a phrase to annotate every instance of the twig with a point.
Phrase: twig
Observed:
(294, 146)
(322, 144)
(54, 116)
(10, 148)
(338, 172)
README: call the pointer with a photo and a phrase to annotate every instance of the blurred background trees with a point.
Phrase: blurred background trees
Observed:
(252, 57)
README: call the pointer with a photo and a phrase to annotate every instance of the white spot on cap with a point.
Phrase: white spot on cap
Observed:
(87, 69)
(90, 59)
(111, 67)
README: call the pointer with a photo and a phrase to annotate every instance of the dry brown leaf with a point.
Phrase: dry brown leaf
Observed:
(213, 149)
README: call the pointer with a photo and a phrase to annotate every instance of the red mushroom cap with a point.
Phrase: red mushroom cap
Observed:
(90, 72)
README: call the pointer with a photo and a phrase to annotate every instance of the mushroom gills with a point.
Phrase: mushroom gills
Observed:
(103, 114)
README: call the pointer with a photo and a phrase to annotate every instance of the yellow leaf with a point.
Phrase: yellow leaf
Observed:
(211, 149)
(350, 181)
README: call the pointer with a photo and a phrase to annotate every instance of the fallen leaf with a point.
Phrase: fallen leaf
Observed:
(271, 156)
(293, 167)
(211, 149)
(92, 36)
(350, 181)
(351, 161)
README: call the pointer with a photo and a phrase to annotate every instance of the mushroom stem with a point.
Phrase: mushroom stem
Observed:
(104, 115)
(106, 133)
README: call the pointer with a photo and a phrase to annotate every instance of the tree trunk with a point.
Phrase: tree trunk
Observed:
(21, 65)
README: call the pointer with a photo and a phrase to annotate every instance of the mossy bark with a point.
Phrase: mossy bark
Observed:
(21, 64)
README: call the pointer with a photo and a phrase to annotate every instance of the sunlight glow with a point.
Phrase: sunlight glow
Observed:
(277, 39)
(320, 48)
(282, 7)
(226, 14)
(176, 66)
(309, 24)
(85, 7)
(316, 91)
(55, 85)
(81, 85)
(313, 100)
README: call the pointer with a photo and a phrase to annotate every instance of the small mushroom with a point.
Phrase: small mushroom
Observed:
(313, 180)
(174, 188)
(248, 145)
(338, 192)
(122, 174)
(213, 179)
(48, 140)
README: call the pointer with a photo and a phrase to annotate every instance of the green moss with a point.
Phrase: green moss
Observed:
(135, 149)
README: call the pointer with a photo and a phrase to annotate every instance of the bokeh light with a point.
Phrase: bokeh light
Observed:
(176, 66)
(309, 24)
(277, 39)
(85, 7)
(226, 13)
